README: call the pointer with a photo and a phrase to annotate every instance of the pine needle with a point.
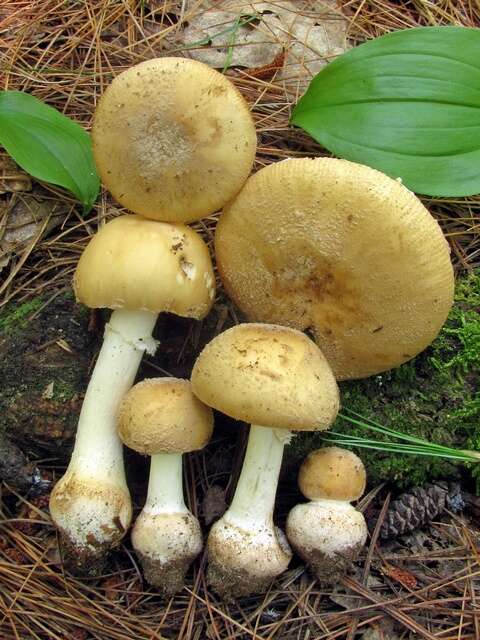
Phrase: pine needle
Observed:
(394, 440)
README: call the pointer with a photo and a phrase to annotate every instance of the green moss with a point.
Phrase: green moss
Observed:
(435, 396)
(15, 317)
(63, 389)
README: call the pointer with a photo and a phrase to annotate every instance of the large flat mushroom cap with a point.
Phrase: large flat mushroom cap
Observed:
(342, 250)
(267, 375)
(141, 265)
(173, 139)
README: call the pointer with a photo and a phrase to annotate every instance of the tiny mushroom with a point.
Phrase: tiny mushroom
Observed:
(139, 268)
(161, 417)
(173, 139)
(328, 532)
(277, 379)
(341, 250)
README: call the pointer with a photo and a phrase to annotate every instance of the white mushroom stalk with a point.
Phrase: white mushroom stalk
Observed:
(165, 485)
(266, 375)
(120, 269)
(328, 535)
(254, 500)
(128, 335)
(250, 518)
(166, 535)
(328, 532)
(163, 418)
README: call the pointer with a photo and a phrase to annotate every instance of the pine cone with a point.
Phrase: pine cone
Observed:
(415, 508)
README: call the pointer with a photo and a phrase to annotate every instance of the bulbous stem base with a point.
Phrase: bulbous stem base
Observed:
(167, 544)
(91, 519)
(328, 535)
(244, 562)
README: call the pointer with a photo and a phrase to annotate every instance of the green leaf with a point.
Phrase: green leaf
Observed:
(408, 104)
(48, 145)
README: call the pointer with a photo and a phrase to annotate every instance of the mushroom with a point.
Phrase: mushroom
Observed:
(138, 268)
(277, 379)
(343, 251)
(328, 532)
(161, 417)
(173, 139)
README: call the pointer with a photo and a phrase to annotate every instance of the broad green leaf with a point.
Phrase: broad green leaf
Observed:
(408, 104)
(48, 145)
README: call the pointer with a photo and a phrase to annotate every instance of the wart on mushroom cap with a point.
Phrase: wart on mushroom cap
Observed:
(328, 532)
(275, 378)
(139, 268)
(163, 418)
(173, 139)
(340, 249)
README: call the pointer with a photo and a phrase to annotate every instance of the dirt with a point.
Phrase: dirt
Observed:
(46, 358)
(327, 568)
(15, 469)
(168, 577)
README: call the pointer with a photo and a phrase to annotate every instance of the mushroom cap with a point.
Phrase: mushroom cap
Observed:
(332, 473)
(161, 415)
(173, 139)
(268, 375)
(340, 249)
(137, 264)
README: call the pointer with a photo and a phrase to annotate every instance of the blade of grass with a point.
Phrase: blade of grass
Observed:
(368, 423)
(427, 450)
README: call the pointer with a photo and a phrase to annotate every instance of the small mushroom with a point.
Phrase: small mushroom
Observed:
(328, 532)
(161, 417)
(277, 379)
(173, 139)
(139, 268)
(343, 251)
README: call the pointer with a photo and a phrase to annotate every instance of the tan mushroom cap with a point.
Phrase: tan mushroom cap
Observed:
(267, 375)
(340, 249)
(173, 139)
(332, 473)
(161, 415)
(137, 264)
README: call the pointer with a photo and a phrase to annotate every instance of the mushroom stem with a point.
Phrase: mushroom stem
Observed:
(254, 500)
(165, 486)
(245, 549)
(166, 535)
(91, 504)
(98, 449)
